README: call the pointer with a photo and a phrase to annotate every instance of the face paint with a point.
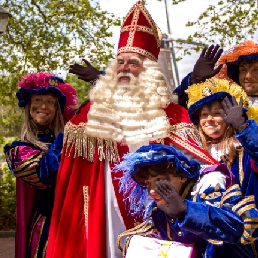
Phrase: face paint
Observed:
(211, 121)
(43, 109)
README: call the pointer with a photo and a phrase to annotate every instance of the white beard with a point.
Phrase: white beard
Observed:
(132, 114)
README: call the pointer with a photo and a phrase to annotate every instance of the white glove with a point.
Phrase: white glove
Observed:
(211, 179)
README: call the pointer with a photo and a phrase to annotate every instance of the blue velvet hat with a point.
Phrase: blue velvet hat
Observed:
(212, 90)
(45, 83)
(146, 156)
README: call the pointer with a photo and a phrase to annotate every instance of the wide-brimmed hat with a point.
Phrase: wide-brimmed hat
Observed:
(247, 50)
(146, 156)
(212, 90)
(45, 83)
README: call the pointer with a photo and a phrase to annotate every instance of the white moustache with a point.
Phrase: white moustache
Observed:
(133, 79)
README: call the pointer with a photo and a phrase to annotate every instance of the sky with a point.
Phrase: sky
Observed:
(179, 15)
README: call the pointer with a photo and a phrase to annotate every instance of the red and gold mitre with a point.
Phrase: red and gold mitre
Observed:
(139, 33)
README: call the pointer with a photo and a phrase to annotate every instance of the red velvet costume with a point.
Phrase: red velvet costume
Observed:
(80, 190)
(79, 220)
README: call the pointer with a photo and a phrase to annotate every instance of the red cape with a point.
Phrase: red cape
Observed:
(78, 227)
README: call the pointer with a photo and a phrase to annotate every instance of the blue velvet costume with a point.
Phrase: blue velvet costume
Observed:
(220, 223)
(38, 169)
(246, 171)
(180, 91)
(218, 227)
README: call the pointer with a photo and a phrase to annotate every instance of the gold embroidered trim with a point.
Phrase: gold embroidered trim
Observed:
(243, 208)
(254, 250)
(45, 249)
(33, 226)
(186, 130)
(137, 8)
(41, 229)
(246, 208)
(86, 147)
(226, 197)
(230, 192)
(248, 236)
(32, 161)
(212, 196)
(195, 197)
(132, 27)
(86, 207)
(251, 226)
(215, 242)
(252, 219)
(144, 229)
(187, 190)
(169, 232)
(138, 50)
(190, 148)
(241, 169)
(239, 205)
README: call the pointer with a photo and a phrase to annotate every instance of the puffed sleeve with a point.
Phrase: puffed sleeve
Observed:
(180, 91)
(222, 216)
(249, 140)
(32, 165)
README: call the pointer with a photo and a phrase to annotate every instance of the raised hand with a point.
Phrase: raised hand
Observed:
(87, 74)
(233, 114)
(176, 207)
(204, 66)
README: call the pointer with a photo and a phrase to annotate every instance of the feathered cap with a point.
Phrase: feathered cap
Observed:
(45, 83)
(211, 90)
(146, 156)
(139, 33)
(247, 50)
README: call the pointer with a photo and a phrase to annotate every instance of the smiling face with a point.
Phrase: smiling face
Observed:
(211, 121)
(129, 63)
(43, 109)
(154, 176)
(248, 76)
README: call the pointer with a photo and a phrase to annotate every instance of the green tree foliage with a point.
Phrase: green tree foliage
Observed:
(11, 115)
(82, 88)
(7, 198)
(226, 22)
(46, 35)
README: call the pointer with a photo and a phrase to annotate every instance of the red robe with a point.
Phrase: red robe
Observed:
(78, 227)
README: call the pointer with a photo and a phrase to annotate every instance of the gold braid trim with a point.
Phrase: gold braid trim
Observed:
(186, 130)
(243, 208)
(84, 145)
(254, 250)
(144, 229)
(26, 171)
(86, 207)
(175, 139)
(45, 249)
(215, 242)
(169, 232)
(241, 169)
(41, 229)
(231, 191)
(239, 206)
(188, 188)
